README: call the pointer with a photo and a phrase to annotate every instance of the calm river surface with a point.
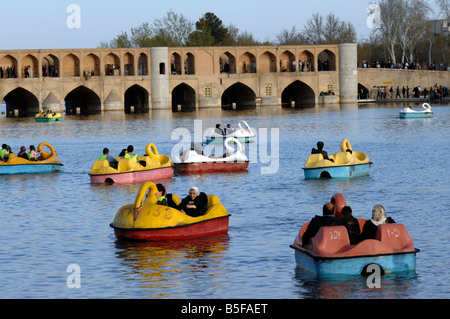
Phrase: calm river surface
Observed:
(51, 221)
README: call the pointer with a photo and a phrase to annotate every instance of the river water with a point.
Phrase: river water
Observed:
(52, 222)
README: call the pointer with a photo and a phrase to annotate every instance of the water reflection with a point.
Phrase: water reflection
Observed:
(354, 287)
(161, 265)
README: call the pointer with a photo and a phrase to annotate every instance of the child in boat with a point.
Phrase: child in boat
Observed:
(161, 195)
(32, 154)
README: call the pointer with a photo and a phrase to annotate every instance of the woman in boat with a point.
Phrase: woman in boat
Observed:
(161, 195)
(23, 153)
(378, 217)
(195, 204)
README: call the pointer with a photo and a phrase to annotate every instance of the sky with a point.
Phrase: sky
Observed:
(55, 24)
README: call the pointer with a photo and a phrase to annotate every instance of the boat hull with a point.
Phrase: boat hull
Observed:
(389, 263)
(204, 228)
(189, 168)
(54, 119)
(220, 140)
(29, 169)
(412, 115)
(345, 171)
(133, 177)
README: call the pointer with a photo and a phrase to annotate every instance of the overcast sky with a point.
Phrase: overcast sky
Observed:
(42, 24)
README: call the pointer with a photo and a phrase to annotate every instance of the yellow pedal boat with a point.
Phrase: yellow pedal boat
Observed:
(344, 164)
(152, 166)
(43, 116)
(144, 220)
(45, 163)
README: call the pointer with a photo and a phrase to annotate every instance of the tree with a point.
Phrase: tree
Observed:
(201, 36)
(391, 15)
(212, 23)
(120, 41)
(289, 37)
(328, 29)
(173, 29)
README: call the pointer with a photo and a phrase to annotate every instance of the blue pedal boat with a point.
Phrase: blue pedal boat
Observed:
(409, 113)
(344, 164)
(329, 252)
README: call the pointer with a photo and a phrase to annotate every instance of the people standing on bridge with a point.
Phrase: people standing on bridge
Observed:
(403, 92)
(407, 92)
(398, 92)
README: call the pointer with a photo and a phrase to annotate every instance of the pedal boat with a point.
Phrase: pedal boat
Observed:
(329, 252)
(46, 163)
(47, 117)
(233, 160)
(152, 166)
(408, 112)
(243, 134)
(144, 220)
(345, 165)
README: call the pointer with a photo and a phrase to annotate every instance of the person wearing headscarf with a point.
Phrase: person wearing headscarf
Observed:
(23, 153)
(378, 218)
(195, 204)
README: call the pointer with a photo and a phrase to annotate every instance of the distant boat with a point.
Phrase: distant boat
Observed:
(48, 117)
(408, 112)
(243, 134)
(193, 162)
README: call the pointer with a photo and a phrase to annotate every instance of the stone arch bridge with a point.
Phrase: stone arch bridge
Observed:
(135, 80)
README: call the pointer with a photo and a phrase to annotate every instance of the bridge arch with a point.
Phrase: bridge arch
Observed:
(51, 64)
(8, 63)
(83, 98)
(286, 59)
(143, 64)
(175, 63)
(227, 63)
(136, 96)
(30, 66)
(306, 58)
(326, 61)
(267, 62)
(247, 63)
(111, 62)
(71, 66)
(238, 96)
(183, 95)
(128, 64)
(189, 64)
(22, 102)
(298, 94)
(91, 63)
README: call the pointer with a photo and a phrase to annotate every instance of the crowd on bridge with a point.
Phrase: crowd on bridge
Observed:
(8, 72)
(435, 92)
(404, 66)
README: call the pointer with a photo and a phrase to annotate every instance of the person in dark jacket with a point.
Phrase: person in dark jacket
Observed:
(195, 204)
(351, 223)
(327, 219)
(320, 150)
(371, 226)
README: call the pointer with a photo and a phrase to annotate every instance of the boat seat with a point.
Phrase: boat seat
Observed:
(342, 158)
(330, 240)
(126, 164)
(394, 235)
(99, 164)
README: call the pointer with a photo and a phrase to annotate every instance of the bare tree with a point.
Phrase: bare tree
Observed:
(391, 15)
(330, 29)
(289, 37)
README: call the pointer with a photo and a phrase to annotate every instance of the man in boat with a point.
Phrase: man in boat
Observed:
(4, 152)
(219, 130)
(112, 161)
(327, 219)
(320, 150)
(130, 154)
(351, 223)
(229, 130)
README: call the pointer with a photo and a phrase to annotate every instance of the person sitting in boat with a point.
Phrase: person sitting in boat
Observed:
(219, 130)
(161, 195)
(351, 223)
(320, 150)
(112, 161)
(32, 154)
(197, 147)
(23, 153)
(229, 130)
(4, 152)
(122, 153)
(130, 154)
(195, 204)
(327, 219)
(370, 226)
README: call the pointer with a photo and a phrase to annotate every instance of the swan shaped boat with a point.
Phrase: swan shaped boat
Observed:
(45, 163)
(144, 220)
(345, 164)
(233, 160)
(329, 252)
(410, 113)
(243, 134)
(153, 166)
(47, 117)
